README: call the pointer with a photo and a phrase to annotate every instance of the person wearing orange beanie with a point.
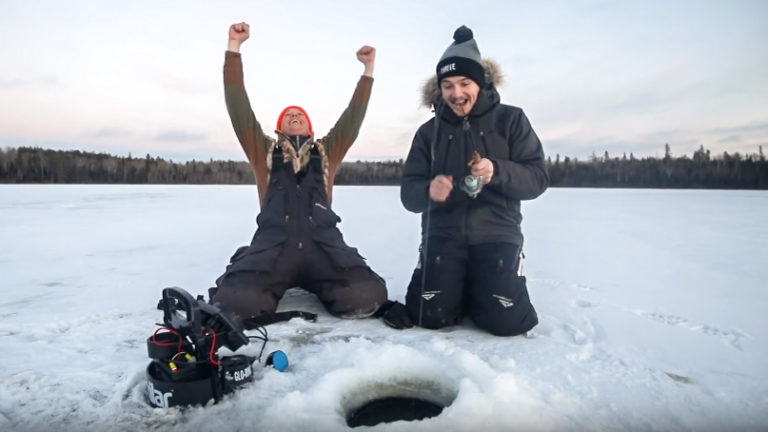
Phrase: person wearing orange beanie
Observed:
(297, 242)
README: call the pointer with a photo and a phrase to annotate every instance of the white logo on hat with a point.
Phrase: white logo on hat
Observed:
(448, 68)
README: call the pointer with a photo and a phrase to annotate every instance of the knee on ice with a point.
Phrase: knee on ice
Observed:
(508, 325)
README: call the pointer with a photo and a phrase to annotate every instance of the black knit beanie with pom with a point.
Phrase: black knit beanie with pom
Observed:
(462, 58)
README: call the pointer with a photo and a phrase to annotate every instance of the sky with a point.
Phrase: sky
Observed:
(144, 77)
(644, 323)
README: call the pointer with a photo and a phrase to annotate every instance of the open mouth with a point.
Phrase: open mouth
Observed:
(460, 105)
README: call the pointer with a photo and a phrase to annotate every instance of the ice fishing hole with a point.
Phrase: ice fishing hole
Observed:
(408, 399)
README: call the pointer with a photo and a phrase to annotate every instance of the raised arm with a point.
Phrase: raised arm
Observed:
(247, 129)
(345, 131)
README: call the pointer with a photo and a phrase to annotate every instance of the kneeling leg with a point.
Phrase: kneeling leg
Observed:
(436, 291)
(499, 301)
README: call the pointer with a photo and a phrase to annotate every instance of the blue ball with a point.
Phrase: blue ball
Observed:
(279, 360)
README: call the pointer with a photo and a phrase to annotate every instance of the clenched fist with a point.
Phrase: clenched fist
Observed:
(440, 188)
(238, 33)
(484, 169)
(367, 55)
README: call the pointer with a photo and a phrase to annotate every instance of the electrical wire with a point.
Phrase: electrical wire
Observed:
(211, 355)
(263, 338)
(172, 331)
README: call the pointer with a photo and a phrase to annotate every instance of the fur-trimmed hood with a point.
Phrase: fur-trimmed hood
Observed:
(430, 90)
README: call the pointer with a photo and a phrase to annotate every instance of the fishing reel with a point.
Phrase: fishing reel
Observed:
(185, 368)
(471, 185)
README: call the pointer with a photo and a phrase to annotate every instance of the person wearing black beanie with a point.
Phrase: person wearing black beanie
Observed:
(466, 172)
(462, 58)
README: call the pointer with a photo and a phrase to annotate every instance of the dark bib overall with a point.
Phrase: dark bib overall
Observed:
(297, 244)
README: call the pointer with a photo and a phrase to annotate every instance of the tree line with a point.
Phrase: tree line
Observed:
(702, 170)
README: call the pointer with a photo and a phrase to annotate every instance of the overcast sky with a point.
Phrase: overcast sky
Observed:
(593, 76)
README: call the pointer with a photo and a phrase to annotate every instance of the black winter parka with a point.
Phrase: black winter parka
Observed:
(501, 133)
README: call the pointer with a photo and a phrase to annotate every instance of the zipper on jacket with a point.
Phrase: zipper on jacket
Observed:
(470, 138)
(469, 147)
(299, 217)
(484, 142)
(445, 159)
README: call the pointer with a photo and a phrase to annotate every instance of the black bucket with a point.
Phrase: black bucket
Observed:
(237, 370)
(195, 389)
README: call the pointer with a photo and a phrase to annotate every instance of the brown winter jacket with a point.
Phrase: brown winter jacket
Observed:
(258, 147)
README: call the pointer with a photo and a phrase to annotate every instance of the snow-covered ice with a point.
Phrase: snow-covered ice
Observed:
(652, 307)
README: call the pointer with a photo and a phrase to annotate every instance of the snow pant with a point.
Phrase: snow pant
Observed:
(480, 281)
(257, 279)
(298, 244)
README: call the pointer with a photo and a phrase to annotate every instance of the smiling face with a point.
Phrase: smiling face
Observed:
(294, 123)
(460, 93)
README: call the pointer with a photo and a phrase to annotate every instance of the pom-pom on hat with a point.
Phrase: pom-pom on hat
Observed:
(462, 58)
(282, 114)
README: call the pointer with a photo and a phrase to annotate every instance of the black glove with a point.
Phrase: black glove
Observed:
(395, 315)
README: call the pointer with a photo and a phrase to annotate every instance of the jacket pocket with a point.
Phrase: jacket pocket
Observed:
(260, 256)
(343, 256)
(322, 215)
(272, 214)
(496, 145)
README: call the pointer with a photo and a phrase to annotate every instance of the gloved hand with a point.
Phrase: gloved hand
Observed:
(395, 315)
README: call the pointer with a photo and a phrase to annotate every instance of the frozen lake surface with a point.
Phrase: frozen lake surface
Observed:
(652, 307)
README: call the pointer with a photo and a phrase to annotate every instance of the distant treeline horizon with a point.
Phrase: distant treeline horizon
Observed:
(702, 170)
